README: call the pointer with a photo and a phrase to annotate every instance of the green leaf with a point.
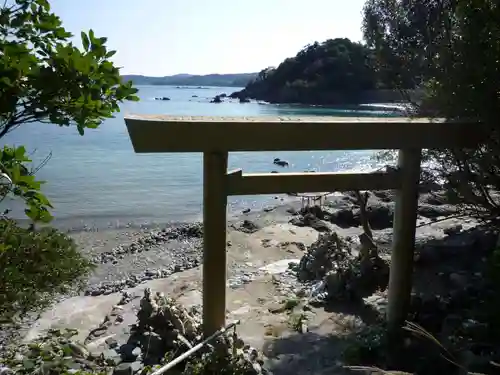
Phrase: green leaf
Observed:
(20, 153)
(110, 54)
(80, 128)
(85, 41)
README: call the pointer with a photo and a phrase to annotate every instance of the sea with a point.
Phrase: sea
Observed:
(97, 180)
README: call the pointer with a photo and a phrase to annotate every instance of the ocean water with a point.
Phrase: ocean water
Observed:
(98, 180)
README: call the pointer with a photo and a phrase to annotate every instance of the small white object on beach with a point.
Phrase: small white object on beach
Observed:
(281, 266)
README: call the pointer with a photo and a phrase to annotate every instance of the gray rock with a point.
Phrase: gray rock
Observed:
(111, 357)
(111, 342)
(128, 368)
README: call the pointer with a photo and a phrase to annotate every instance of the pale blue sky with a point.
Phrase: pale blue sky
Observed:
(165, 37)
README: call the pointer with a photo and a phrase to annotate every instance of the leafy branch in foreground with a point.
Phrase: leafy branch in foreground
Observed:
(22, 183)
(47, 79)
(44, 78)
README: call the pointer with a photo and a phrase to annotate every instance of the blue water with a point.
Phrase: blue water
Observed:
(98, 180)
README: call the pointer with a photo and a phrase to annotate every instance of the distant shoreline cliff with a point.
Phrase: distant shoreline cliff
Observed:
(217, 80)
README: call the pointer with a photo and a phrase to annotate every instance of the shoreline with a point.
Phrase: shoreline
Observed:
(126, 257)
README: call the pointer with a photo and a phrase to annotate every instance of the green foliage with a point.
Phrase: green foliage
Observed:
(451, 49)
(22, 183)
(368, 346)
(36, 265)
(54, 354)
(45, 78)
(335, 71)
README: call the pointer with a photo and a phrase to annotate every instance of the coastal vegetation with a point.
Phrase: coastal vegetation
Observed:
(451, 50)
(336, 71)
(44, 78)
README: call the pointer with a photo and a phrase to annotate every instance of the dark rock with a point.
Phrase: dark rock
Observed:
(455, 229)
(237, 95)
(292, 211)
(379, 215)
(345, 218)
(244, 100)
(309, 220)
(298, 221)
(152, 343)
(246, 210)
(432, 212)
(317, 211)
(216, 99)
(130, 352)
(223, 95)
(194, 96)
(281, 163)
(248, 226)
(162, 98)
(319, 225)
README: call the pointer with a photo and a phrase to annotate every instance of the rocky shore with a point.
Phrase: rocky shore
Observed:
(281, 269)
(125, 259)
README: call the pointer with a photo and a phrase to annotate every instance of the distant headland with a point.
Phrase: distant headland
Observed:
(218, 80)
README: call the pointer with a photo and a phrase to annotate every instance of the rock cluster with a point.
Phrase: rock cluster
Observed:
(340, 274)
(181, 233)
(166, 327)
(164, 330)
(186, 256)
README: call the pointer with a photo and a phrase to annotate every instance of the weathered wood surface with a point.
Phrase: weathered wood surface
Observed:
(403, 246)
(153, 133)
(275, 183)
(214, 241)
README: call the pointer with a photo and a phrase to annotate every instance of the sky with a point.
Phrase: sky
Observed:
(166, 37)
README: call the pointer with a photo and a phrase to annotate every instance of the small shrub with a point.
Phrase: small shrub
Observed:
(35, 265)
(368, 347)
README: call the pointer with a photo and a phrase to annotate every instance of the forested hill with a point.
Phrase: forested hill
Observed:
(222, 80)
(336, 71)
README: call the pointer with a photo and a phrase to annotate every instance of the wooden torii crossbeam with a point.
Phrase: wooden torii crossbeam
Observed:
(215, 137)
